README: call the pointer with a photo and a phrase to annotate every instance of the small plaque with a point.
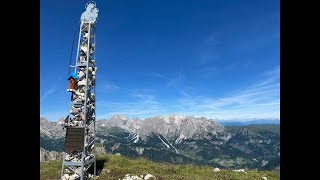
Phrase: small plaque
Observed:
(74, 140)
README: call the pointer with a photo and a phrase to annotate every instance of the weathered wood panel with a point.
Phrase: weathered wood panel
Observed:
(74, 140)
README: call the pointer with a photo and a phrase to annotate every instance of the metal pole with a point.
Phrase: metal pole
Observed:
(62, 169)
(81, 176)
(86, 91)
(95, 107)
(80, 32)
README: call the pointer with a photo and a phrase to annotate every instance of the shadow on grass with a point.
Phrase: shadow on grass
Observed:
(100, 164)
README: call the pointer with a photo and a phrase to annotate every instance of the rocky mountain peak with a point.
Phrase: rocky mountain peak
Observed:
(119, 120)
(180, 127)
(173, 127)
(60, 121)
(51, 129)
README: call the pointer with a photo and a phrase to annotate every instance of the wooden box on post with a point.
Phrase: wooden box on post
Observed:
(72, 82)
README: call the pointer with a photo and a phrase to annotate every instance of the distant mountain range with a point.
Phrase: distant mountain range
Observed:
(251, 122)
(181, 139)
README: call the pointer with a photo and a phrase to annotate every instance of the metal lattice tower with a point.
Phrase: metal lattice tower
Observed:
(80, 149)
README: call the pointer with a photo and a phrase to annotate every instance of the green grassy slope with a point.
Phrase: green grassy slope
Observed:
(114, 167)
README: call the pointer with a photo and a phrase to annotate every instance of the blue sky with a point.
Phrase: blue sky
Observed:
(218, 59)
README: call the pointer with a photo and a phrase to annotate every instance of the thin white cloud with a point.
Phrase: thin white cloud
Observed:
(110, 87)
(260, 100)
(146, 98)
(161, 76)
(170, 81)
(180, 72)
(184, 93)
(51, 90)
(208, 52)
(47, 93)
(144, 104)
(212, 70)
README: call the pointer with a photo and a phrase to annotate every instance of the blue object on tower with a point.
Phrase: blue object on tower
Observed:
(73, 75)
